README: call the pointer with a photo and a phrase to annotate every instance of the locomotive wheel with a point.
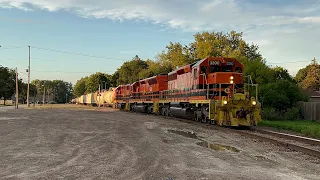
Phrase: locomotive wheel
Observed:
(163, 113)
(195, 117)
(203, 119)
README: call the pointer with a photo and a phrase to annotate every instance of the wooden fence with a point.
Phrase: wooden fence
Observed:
(310, 110)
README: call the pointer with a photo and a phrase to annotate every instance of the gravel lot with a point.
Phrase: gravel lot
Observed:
(83, 143)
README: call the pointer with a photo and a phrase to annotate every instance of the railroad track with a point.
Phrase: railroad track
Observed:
(297, 143)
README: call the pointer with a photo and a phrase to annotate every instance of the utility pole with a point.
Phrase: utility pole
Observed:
(105, 85)
(66, 98)
(314, 61)
(99, 96)
(17, 93)
(28, 91)
(44, 91)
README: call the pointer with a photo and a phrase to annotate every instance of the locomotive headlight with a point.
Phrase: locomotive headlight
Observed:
(231, 81)
(231, 77)
(225, 102)
(254, 103)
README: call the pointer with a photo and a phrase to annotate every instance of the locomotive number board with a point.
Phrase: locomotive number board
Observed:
(217, 63)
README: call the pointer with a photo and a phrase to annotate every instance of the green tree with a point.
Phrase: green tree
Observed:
(61, 91)
(155, 68)
(114, 78)
(129, 71)
(259, 72)
(58, 89)
(177, 54)
(281, 95)
(80, 87)
(7, 82)
(94, 80)
(309, 77)
(225, 45)
(282, 73)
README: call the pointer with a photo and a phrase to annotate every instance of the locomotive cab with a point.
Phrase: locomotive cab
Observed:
(222, 81)
(219, 76)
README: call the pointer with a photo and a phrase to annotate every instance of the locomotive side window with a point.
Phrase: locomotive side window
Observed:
(195, 73)
(214, 68)
(239, 69)
(227, 68)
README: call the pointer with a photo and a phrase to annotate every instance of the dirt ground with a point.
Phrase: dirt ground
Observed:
(83, 143)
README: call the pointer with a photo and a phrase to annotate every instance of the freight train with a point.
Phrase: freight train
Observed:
(212, 90)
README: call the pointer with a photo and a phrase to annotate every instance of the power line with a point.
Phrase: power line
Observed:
(68, 71)
(288, 62)
(68, 61)
(11, 48)
(78, 54)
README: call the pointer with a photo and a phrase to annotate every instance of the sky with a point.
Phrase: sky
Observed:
(70, 39)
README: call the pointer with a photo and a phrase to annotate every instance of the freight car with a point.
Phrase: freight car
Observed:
(104, 98)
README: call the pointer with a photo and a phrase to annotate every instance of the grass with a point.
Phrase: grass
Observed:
(62, 106)
(304, 127)
(1, 105)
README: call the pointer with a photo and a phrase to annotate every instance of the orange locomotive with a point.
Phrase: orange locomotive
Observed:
(210, 90)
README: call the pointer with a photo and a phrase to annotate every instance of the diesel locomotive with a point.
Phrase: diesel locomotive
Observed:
(212, 90)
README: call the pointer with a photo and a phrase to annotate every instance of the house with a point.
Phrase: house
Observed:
(314, 94)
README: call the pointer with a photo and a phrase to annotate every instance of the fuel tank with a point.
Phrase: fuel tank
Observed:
(140, 108)
(181, 112)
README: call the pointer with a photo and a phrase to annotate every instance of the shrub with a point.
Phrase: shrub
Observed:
(269, 113)
(292, 114)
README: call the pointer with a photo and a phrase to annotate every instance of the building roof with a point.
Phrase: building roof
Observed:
(311, 92)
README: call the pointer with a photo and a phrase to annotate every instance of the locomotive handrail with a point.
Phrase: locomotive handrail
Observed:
(205, 77)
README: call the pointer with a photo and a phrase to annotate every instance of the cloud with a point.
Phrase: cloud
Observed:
(284, 31)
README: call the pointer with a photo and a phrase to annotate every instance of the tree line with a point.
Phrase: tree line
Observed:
(57, 88)
(278, 90)
(60, 90)
(8, 85)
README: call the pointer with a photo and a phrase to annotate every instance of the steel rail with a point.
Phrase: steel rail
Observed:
(291, 146)
(250, 133)
(307, 140)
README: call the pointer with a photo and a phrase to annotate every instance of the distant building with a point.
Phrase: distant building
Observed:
(38, 99)
(314, 94)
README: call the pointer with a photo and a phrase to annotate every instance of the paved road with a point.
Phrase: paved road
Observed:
(6, 108)
(90, 144)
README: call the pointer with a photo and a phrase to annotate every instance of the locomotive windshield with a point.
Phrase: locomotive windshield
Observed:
(227, 68)
(214, 68)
